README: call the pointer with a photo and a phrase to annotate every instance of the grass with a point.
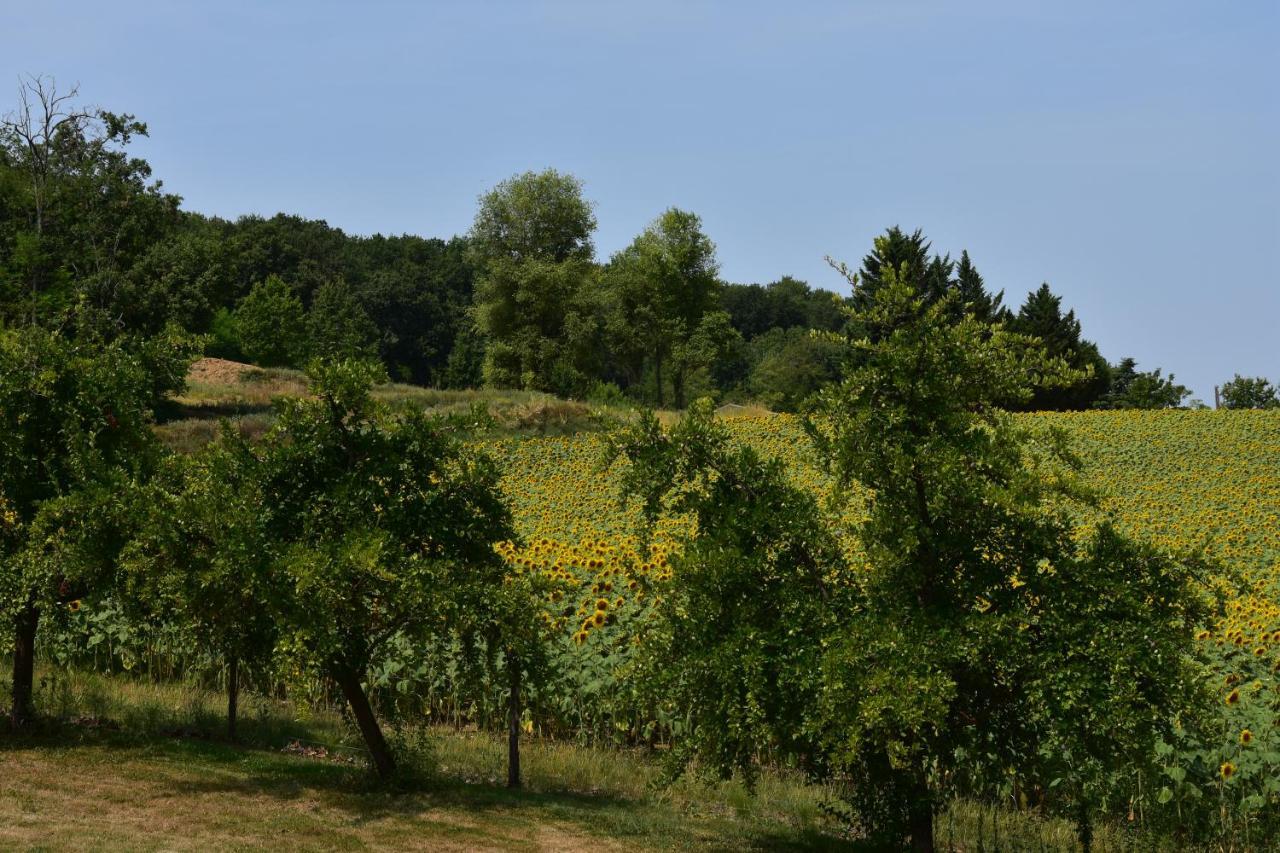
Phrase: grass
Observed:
(126, 764)
(245, 396)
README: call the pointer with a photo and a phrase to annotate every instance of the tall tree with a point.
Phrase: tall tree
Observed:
(270, 325)
(85, 209)
(531, 241)
(662, 287)
(1041, 316)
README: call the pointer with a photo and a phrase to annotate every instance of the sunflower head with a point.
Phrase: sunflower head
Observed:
(1246, 737)
(1233, 697)
(1227, 770)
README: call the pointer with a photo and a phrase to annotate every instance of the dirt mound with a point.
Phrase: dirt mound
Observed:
(218, 371)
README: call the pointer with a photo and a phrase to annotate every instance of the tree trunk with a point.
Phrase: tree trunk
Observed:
(383, 763)
(920, 816)
(233, 694)
(677, 387)
(513, 724)
(24, 657)
(657, 373)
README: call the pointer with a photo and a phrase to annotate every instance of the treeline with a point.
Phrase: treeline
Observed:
(88, 238)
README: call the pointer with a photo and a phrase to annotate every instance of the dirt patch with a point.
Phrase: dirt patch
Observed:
(219, 371)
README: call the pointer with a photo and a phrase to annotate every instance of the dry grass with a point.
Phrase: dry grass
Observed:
(218, 389)
(136, 765)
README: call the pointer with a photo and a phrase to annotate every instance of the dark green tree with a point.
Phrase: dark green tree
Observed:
(79, 210)
(1245, 392)
(271, 326)
(661, 287)
(337, 325)
(1130, 388)
(1041, 317)
(384, 528)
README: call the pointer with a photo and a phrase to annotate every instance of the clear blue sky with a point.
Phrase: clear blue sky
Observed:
(1123, 152)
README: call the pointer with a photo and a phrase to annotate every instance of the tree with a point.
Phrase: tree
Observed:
(82, 209)
(531, 239)
(977, 586)
(791, 366)
(200, 557)
(1041, 317)
(383, 527)
(337, 326)
(1244, 392)
(1130, 388)
(75, 434)
(766, 572)
(271, 325)
(534, 216)
(980, 633)
(661, 287)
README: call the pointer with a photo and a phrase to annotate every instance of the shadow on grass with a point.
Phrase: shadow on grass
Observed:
(355, 792)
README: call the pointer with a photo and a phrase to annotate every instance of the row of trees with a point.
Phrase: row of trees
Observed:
(521, 301)
(982, 642)
(341, 532)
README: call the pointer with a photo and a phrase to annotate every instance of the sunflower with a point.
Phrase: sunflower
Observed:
(73, 606)
(1203, 635)
(602, 604)
(580, 637)
(1246, 737)
(598, 618)
(1227, 770)
(1233, 697)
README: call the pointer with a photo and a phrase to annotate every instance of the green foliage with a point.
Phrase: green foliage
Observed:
(534, 216)
(765, 574)
(270, 325)
(1249, 392)
(791, 366)
(1134, 389)
(337, 326)
(979, 589)
(1041, 317)
(383, 528)
(661, 290)
(532, 240)
(75, 435)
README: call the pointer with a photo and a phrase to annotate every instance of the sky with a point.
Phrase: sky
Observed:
(1126, 153)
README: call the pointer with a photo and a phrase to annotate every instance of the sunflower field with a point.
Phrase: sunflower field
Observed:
(1205, 481)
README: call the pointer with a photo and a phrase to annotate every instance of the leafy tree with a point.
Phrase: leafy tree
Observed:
(1245, 392)
(384, 528)
(1041, 316)
(75, 434)
(1134, 389)
(979, 595)
(200, 557)
(980, 632)
(534, 216)
(786, 303)
(337, 326)
(79, 210)
(661, 287)
(736, 642)
(271, 325)
(790, 366)
(532, 242)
